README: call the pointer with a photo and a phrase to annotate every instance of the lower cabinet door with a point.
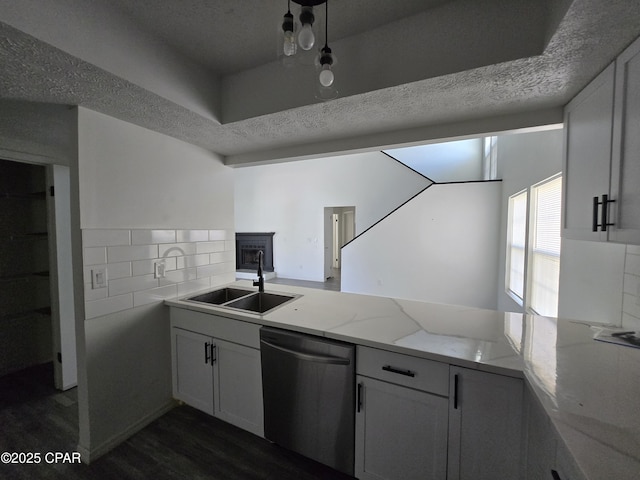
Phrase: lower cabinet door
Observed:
(401, 433)
(485, 426)
(238, 386)
(192, 375)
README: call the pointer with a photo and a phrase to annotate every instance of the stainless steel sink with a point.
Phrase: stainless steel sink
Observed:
(218, 297)
(260, 302)
(241, 299)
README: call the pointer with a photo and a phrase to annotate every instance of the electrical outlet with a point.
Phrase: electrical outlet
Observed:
(98, 278)
(158, 269)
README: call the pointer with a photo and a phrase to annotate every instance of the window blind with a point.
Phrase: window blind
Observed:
(545, 248)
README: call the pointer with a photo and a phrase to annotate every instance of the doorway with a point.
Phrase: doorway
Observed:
(36, 309)
(339, 229)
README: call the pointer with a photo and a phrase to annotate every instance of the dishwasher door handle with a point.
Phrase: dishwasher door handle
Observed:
(309, 357)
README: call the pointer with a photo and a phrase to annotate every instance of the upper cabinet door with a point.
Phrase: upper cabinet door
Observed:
(625, 172)
(588, 122)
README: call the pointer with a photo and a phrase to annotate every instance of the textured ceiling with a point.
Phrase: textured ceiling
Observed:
(576, 48)
(249, 27)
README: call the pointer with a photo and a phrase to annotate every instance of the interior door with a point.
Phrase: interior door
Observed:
(328, 241)
(65, 366)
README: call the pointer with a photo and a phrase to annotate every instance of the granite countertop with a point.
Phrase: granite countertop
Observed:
(589, 389)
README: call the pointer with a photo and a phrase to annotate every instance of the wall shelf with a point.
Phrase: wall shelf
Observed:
(25, 303)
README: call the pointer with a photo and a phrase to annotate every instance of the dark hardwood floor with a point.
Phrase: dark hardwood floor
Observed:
(183, 444)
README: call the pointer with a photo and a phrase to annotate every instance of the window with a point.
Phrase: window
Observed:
(490, 158)
(516, 244)
(533, 247)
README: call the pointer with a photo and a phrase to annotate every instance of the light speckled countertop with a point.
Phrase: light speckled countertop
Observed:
(590, 389)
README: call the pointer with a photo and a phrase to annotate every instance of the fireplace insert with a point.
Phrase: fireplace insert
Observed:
(247, 247)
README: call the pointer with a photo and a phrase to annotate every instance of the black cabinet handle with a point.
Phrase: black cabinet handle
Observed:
(389, 368)
(359, 397)
(604, 215)
(555, 475)
(455, 391)
(605, 212)
(214, 353)
(207, 355)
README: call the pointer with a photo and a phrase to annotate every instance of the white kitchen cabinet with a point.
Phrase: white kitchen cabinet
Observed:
(238, 386)
(602, 155)
(588, 122)
(625, 170)
(401, 432)
(485, 426)
(216, 367)
(541, 441)
(192, 378)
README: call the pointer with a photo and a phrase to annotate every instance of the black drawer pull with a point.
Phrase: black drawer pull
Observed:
(389, 368)
(555, 475)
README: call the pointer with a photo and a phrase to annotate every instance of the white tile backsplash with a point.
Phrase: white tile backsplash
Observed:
(105, 238)
(194, 260)
(192, 235)
(177, 249)
(210, 247)
(193, 286)
(220, 257)
(178, 276)
(133, 252)
(147, 237)
(132, 284)
(94, 256)
(631, 289)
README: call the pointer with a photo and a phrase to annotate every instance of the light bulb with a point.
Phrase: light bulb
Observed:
(289, 46)
(306, 38)
(326, 76)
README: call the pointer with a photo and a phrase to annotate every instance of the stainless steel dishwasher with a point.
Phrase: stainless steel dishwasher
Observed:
(308, 384)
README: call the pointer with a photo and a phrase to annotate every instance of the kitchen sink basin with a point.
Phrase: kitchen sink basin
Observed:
(218, 297)
(242, 299)
(260, 302)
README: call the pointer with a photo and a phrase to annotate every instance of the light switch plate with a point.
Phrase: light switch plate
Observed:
(98, 278)
(158, 269)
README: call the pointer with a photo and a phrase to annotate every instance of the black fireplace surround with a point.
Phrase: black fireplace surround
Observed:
(247, 247)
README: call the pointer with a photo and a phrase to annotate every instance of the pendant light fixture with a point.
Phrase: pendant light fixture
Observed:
(305, 38)
(326, 58)
(289, 46)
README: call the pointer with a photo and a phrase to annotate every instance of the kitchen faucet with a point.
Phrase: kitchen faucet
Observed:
(260, 282)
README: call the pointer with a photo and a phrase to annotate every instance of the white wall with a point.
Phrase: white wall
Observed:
(142, 194)
(290, 198)
(456, 161)
(440, 247)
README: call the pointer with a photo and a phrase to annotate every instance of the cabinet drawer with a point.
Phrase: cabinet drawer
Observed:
(418, 373)
(236, 331)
